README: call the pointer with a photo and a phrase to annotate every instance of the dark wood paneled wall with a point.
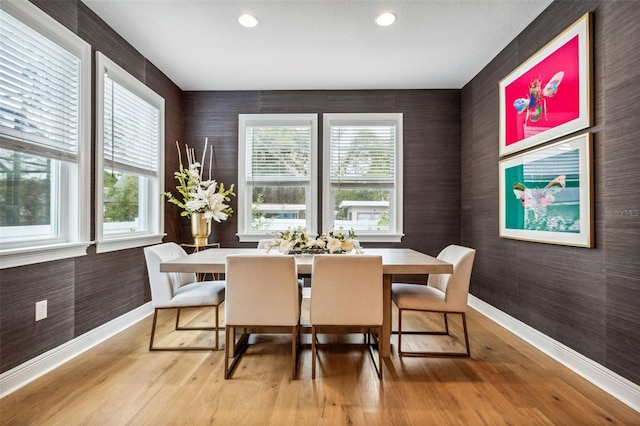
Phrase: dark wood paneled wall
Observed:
(88, 291)
(588, 299)
(431, 147)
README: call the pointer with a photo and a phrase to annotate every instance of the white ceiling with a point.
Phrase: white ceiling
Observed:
(318, 45)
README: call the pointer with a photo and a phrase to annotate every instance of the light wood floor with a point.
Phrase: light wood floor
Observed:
(120, 382)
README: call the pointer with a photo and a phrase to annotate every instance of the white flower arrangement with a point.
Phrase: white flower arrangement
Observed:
(297, 241)
(198, 195)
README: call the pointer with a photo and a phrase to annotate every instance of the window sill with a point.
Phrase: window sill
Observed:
(379, 238)
(32, 255)
(367, 238)
(123, 243)
(255, 238)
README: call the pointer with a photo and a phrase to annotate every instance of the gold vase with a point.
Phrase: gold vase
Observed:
(200, 229)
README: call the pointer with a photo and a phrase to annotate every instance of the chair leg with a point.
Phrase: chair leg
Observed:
(313, 351)
(446, 323)
(294, 352)
(379, 353)
(227, 344)
(369, 342)
(400, 332)
(237, 348)
(369, 345)
(153, 328)
(217, 329)
(466, 334)
(466, 354)
(178, 328)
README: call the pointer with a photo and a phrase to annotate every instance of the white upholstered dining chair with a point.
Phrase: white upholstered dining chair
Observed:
(346, 290)
(262, 292)
(265, 243)
(175, 290)
(444, 293)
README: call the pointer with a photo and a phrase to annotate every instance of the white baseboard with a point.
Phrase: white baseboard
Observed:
(612, 383)
(27, 372)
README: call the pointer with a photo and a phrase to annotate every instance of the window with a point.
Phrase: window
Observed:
(362, 188)
(44, 138)
(277, 183)
(129, 173)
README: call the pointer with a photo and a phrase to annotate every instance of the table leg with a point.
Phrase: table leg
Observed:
(385, 339)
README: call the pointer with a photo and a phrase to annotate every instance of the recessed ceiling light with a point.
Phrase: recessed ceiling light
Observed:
(386, 19)
(248, 21)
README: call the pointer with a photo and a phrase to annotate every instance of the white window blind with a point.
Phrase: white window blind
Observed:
(130, 131)
(39, 93)
(362, 188)
(45, 137)
(129, 171)
(277, 173)
(279, 152)
(362, 153)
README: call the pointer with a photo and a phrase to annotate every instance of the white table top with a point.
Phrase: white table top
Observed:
(394, 260)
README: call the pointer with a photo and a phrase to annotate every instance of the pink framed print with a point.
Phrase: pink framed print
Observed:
(550, 94)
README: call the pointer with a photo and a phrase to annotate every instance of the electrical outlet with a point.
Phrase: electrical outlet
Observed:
(41, 310)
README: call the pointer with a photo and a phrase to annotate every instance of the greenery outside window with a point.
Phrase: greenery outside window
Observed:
(129, 171)
(362, 184)
(277, 174)
(44, 138)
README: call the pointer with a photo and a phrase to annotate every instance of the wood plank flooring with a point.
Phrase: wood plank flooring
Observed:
(120, 382)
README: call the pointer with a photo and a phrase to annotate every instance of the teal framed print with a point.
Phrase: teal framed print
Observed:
(546, 194)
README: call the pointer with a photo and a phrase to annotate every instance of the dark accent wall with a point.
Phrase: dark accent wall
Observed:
(431, 144)
(587, 299)
(85, 292)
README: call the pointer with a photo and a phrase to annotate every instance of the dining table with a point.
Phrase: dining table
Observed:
(395, 261)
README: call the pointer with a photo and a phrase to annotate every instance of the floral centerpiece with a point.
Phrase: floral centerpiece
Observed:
(297, 241)
(201, 200)
(198, 195)
(338, 242)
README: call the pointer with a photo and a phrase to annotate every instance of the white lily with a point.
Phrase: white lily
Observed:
(334, 244)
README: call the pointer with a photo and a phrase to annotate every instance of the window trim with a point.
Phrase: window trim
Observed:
(156, 218)
(396, 233)
(244, 197)
(78, 235)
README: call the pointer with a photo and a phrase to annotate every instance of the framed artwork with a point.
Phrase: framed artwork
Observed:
(546, 194)
(550, 94)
